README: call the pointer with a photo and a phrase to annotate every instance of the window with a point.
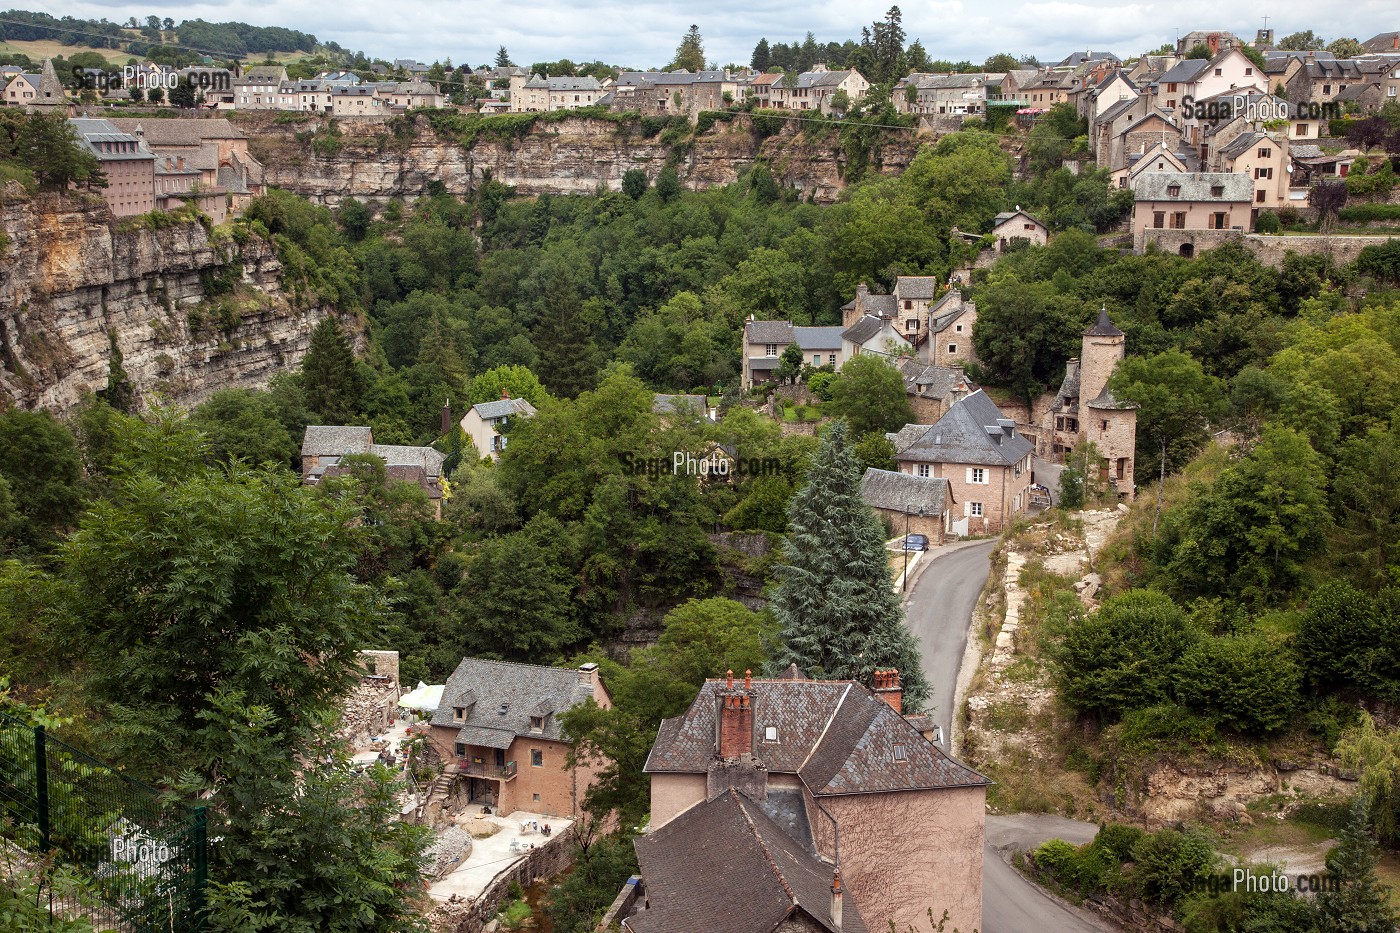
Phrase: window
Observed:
(1173, 191)
(1217, 191)
(952, 348)
(976, 475)
(1300, 130)
(1219, 72)
(459, 749)
(908, 304)
(1219, 220)
(1265, 153)
(1264, 172)
(770, 733)
(1327, 89)
(537, 798)
(1103, 425)
(770, 350)
(899, 753)
(974, 509)
(1260, 195)
(536, 758)
(458, 713)
(1248, 72)
(1171, 87)
(923, 470)
(1159, 219)
(831, 359)
(958, 328)
(536, 723)
(816, 359)
(911, 324)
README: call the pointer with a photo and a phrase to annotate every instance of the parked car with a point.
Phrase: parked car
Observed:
(916, 542)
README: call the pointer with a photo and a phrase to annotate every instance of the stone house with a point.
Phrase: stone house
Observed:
(1201, 78)
(217, 149)
(539, 94)
(1115, 87)
(908, 305)
(942, 93)
(1264, 158)
(728, 858)
(21, 90)
(813, 90)
(1018, 225)
(498, 728)
(1193, 201)
(357, 101)
(821, 760)
(130, 168)
(947, 340)
(483, 423)
(985, 460)
(924, 505)
(765, 341)
(323, 447)
(681, 91)
(1213, 39)
(874, 334)
(1085, 410)
(933, 389)
(260, 88)
(1155, 158)
(410, 95)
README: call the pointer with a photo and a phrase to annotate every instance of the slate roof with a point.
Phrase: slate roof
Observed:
(922, 287)
(904, 492)
(769, 331)
(817, 338)
(1195, 186)
(322, 440)
(886, 305)
(725, 867)
(838, 736)
(938, 323)
(92, 133)
(973, 431)
(180, 132)
(1241, 144)
(673, 404)
(395, 455)
(259, 73)
(814, 79)
(1105, 400)
(1004, 216)
(937, 381)
(1184, 72)
(524, 690)
(589, 83)
(868, 326)
(1383, 42)
(1103, 327)
(1113, 111)
(1069, 387)
(504, 408)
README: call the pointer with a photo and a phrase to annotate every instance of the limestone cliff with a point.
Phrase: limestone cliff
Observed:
(191, 314)
(375, 159)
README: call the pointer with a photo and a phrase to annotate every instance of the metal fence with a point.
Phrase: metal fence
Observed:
(143, 857)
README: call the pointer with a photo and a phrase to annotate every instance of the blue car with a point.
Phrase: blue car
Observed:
(916, 542)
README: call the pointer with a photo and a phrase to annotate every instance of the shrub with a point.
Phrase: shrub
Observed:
(1268, 222)
(820, 384)
(1382, 261)
(1366, 213)
(1247, 683)
(1170, 864)
(1118, 839)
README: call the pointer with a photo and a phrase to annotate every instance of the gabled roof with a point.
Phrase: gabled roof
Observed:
(973, 431)
(817, 338)
(180, 131)
(333, 440)
(498, 699)
(934, 381)
(1004, 216)
(1184, 71)
(504, 408)
(262, 73)
(1383, 42)
(905, 492)
(1105, 400)
(1113, 111)
(768, 332)
(921, 287)
(395, 455)
(868, 326)
(837, 736)
(725, 866)
(885, 305)
(1193, 186)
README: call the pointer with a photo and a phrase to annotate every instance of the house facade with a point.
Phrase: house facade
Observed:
(932, 389)
(825, 760)
(922, 505)
(985, 460)
(215, 148)
(324, 447)
(498, 728)
(484, 421)
(1194, 201)
(1018, 225)
(765, 341)
(130, 168)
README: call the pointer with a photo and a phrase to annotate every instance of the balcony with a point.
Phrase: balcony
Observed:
(471, 768)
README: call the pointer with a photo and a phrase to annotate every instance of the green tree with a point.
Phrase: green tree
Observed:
(790, 363)
(634, 183)
(44, 470)
(762, 55)
(1170, 864)
(869, 393)
(120, 393)
(330, 375)
(1362, 905)
(503, 58)
(517, 598)
(48, 146)
(182, 94)
(1345, 47)
(835, 600)
(1300, 42)
(517, 380)
(1001, 62)
(1176, 402)
(1024, 332)
(1247, 683)
(1350, 640)
(668, 184)
(245, 424)
(690, 54)
(194, 578)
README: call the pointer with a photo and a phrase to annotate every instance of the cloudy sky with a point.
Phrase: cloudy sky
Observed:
(644, 33)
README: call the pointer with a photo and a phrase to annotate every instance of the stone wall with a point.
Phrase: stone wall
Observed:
(1269, 250)
(70, 276)
(546, 860)
(572, 156)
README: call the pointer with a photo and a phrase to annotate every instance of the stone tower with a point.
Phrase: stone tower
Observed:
(1110, 424)
(52, 96)
(1103, 348)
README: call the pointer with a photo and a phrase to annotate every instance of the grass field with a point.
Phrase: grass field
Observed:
(40, 49)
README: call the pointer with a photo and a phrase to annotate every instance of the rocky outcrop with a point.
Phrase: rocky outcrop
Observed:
(375, 159)
(191, 313)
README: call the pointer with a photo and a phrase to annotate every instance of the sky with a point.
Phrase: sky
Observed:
(645, 33)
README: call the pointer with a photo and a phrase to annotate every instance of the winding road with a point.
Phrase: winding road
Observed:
(939, 611)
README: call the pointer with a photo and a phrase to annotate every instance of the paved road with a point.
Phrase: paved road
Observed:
(1012, 904)
(939, 612)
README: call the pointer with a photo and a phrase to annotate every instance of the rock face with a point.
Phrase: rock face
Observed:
(190, 314)
(375, 159)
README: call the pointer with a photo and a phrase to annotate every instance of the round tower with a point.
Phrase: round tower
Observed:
(1102, 349)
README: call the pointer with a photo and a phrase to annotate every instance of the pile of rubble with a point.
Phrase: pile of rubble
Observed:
(451, 848)
(368, 710)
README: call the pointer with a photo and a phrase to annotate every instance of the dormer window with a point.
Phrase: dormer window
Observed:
(770, 733)
(1173, 191)
(1217, 191)
(536, 723)
(459, 713)
(899, 752)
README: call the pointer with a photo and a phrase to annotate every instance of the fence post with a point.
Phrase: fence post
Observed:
(201, 866)
(41, 788)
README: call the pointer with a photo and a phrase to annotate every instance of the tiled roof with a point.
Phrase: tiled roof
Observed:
(1195, 186)
(1069, 387)
(973, 431)
(725, 867)
(817, 338)
(836, 735)
(504, 408)
(1105, 400)
(323, 440)
(671, 404)
(904, 492)
(938, 323)
(768, 331)
(922, 287)
(1103, 327)
(881, 304)
(398, 455)
(861, 331)
(936, 381)
(1185, 71)
(501, 697)
(1004, 216)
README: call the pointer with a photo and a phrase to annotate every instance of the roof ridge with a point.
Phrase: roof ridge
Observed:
(763, 847)
(545, 667)
(827, 727)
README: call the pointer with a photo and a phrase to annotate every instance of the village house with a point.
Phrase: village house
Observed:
(260, 88)
(43, 91)
(932, 389)
(1155, 158)
(876, 334)
(958, 94)
(984, 458)
(215, 148)
(908, 504)
(357, 101)
(484, 423)
(822, 760)
(324, 448)
(539, 94)
(1114, 87)
(1215, 40)
(129, 167)
(1009, 226)
(947, 340)
(1195, 201)
(1085, 410)
(681, 91)
(498, 728)
(765, 341)
(810, 90)
(21, 89)
(1264, 158)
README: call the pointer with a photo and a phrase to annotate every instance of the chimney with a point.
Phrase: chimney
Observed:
(588, 674)
(446, 415)
(888, 689)
(180, 163)
(169, 163)
(505, 394)
(836, 898)
(735, 719)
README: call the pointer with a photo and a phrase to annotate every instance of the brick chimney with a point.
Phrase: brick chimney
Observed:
(446, 415)
(588, 674)
(837, 895)
(505, 394)
(888, 689)
(736, 720)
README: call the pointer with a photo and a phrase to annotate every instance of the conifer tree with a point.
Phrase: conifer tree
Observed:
(835, 601)
(690, 54)
(1361, 904)
(330, 375)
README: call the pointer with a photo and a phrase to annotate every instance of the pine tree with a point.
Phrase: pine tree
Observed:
(835, 601)
(503, 58)
(1361, 905)
(690, 54)
(330, 375)
(568, 356)
(761, 55)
